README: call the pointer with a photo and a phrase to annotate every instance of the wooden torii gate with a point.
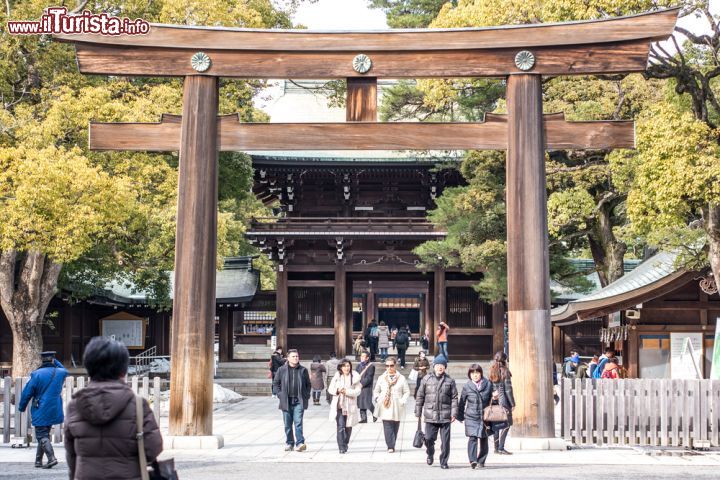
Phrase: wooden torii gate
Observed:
(521, 54)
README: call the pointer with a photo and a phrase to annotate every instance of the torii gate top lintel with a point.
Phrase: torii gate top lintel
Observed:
(614, 45)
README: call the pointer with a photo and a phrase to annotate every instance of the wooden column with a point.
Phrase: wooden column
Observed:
(191, 381)
(225, 337)
(281, 308)
(439, 306)
(498, 326)
(527, 259)
(631, 359)
(340, 312)
(67, 323)
(349, 315)
(361, 100)
(558, 341)
(370, 307)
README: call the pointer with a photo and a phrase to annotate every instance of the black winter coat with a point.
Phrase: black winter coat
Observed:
(364, 401)
(281, 383)
(471, 406)
(437, 399)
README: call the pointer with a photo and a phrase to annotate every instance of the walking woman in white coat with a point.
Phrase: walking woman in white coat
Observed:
(344, 388)
(391, 393)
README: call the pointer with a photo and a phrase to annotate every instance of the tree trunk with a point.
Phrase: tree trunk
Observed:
(712, 227)
(28, 281)
(607, 251)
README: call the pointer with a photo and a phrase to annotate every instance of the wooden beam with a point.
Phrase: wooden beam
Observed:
(191, 382)
(281, 307)
(235, 136)
(528, 260)
(361, 100)
(646, 26)
(620, 57)
(310, 283)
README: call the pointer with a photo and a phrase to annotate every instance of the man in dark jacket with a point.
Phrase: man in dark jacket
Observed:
(292, 384)
(367, 375)
(101, 427)
(437, 400)
(44, 389)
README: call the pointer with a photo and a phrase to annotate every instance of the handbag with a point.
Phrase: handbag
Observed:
(161, 470)
(495, 413)
(413, 375)
(419, 439)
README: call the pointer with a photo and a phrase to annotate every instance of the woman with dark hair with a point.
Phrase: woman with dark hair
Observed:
(101, 424)
(502, 393)
(318, 372)
(344, 388)
(474, 398)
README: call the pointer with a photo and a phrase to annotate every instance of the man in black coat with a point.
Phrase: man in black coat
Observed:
(437, 400)
(292, 384)
(367, 375)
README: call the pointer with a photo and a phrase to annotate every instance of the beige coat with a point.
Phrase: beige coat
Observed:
(398, 397)
(351, 393)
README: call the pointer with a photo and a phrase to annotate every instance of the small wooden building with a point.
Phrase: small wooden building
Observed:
(639, 314)
(119, 310)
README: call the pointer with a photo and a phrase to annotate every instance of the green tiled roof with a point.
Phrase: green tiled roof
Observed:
(236, 282)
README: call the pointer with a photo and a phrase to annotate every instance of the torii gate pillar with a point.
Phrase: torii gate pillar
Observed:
(193, 321)
(528, 261)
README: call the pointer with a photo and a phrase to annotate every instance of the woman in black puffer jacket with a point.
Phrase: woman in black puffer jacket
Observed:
(474, 398)
(500, 377)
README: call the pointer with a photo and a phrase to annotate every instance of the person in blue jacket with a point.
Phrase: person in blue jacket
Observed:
(44, 389)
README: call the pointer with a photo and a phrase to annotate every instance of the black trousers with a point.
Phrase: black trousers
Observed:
(390, 429)
(343, 431)
(363, 413)
(431, 434)
(499, 436)
(473, 455)
(401, 356)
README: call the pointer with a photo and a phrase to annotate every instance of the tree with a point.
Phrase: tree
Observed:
(675, 198)
(586, 203)
(78, 218)
(410, 13)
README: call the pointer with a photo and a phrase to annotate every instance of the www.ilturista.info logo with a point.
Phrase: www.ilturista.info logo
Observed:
(57, 21)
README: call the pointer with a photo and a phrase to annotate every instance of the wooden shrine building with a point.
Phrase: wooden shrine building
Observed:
(639, 314)
(343, 245)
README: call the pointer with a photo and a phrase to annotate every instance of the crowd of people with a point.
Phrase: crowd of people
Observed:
(606, 365)
(108, 409)
(352, 392)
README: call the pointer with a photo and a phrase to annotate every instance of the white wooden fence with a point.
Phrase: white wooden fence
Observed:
(652, 412)
(16, 425)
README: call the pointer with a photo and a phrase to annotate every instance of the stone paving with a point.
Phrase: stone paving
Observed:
(254, 442)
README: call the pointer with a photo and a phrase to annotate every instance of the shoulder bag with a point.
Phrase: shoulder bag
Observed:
(495, 413)
(419, 439)
(161, 470)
